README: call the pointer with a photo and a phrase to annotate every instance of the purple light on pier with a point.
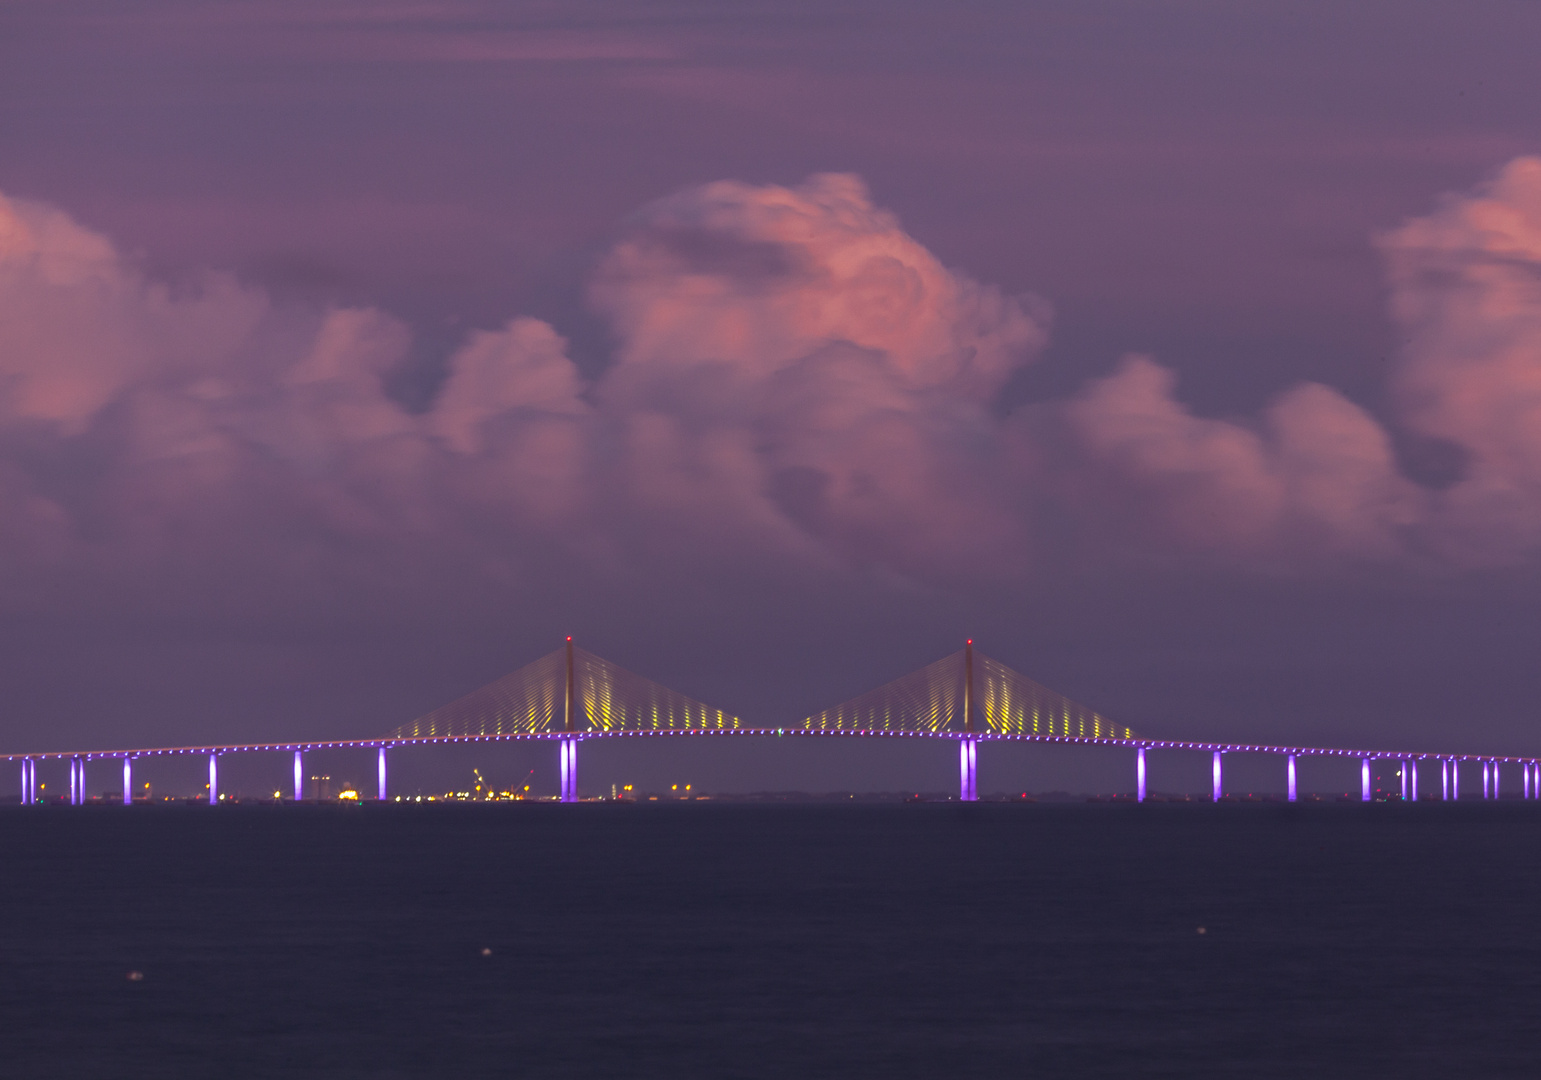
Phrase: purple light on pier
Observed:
(1414, 766)
(1444, 779)
(128, 781)
(1364, 779)
(1402, 769)
(213, 779)
(1455, 779)
(968, 764)
(1139, 775)
(381, 770)
(1495, 779)
(26, 781)
(1215, 769)
(72, 781)
(1291, 770)
(567, 750)
(299, 775)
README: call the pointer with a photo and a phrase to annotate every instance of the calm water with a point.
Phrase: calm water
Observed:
(720, 940)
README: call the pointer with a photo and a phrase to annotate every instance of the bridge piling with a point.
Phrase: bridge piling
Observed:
(213, 779)
(567, 752)
(1444, 779)
(1495, 780)
(1414, 766)
(968, 770)
(299, 775)
(381, 770)
(1139, 775)
(1364, 779)
(128, 781)
(1291, 772)
(1215, 770)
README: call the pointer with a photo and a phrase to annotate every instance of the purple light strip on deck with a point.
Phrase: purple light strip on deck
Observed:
(1154, 744)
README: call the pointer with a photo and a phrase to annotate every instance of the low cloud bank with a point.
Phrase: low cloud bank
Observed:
(796, 381)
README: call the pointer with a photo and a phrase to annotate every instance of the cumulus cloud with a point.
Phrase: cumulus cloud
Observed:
(1466, 290)
(793, 361)
(1315, 476)
(79, 323)
(795, 379)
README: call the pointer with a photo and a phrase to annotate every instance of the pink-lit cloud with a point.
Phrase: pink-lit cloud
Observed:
(796, 379)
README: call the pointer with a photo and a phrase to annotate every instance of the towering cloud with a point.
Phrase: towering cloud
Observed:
(792, 363)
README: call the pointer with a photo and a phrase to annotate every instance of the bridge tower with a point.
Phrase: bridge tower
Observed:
(567, 746)
(968, 748)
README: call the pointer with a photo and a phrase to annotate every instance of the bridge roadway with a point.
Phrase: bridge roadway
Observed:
(968, 750)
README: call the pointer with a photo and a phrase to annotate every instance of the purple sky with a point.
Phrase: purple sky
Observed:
(275, 459)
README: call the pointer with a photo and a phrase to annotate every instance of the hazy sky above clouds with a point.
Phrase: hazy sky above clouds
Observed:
(1186, 355)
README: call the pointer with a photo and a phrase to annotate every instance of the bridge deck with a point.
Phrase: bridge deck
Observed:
(981, 736)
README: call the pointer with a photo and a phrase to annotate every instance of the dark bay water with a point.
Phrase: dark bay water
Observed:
(723, 940)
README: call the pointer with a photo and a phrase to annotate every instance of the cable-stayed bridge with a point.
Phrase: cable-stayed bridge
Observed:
(572, 695)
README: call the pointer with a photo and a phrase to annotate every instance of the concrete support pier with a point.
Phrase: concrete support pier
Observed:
(568, 751)
(1215, 770)
(968, 770)
(1139, 775)
(381, 770)
(1290, 768)
(1364, 779)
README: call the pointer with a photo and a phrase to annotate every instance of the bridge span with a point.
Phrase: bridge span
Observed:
(570, 696)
